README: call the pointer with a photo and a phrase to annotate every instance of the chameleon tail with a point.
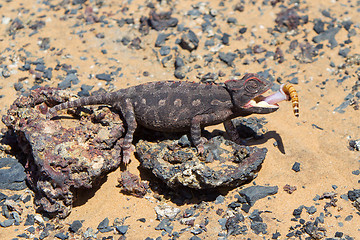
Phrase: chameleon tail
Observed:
(91, 100)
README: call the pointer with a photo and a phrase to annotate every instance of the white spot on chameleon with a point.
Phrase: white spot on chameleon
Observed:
(196, 102)
(217, 102)
(177, 102)
(143, 101)
(162, 102)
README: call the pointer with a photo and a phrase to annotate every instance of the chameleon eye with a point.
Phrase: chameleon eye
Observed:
(252, 85)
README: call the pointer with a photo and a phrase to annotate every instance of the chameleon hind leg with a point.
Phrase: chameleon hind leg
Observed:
(129, 117)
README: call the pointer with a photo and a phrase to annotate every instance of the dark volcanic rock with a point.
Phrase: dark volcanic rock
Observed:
(130, 184)
(289, 19)
(318, 26)
(354, 194)
(103, 76)
(233, 226)
(314, 231)
(182, 166)
(254, 193)
(344, 52)
(75, 226)
(296, 167)
(279, 55)
(307, 53)
(161, 21)
(189, 41)
(297, 212)
(250, 127)
(61, 160)
(258, 227)
(228, 58)
(122, 229)
(62, 236)
(354, 145)
(12, 174)
(328, 35)
(104, 226)
(161, 38)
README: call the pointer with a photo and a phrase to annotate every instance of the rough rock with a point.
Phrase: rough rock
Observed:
(223, 163)
(228, 58)
(254, 193)
(354, 196)
(161, 21)
(328, 35)
(233, 226)
(75, 226)
(130, 184)
(289, 19)
(189, 41)
(354, 145)
(12, 174)
(166, 211)
(104, 226)
(62, 158)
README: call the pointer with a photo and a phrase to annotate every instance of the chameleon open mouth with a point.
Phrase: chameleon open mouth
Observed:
(261, 101)
(266, 102)
(286, 92)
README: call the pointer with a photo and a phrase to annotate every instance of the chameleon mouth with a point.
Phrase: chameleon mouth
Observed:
(286, 92)
(261, 101)
(265, 102)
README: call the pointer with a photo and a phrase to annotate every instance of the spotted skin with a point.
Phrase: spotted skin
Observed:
(179, 106)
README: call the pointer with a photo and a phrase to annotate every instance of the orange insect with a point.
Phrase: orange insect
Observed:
(286, 92)
(290, 91)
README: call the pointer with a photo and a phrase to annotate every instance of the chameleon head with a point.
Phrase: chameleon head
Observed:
(246, 94)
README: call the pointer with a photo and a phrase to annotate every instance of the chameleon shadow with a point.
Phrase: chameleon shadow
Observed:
(250, 138)
(266, 137)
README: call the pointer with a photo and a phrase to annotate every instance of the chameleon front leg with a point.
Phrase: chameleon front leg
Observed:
(232, 131)
(195, 132)
(129, 117)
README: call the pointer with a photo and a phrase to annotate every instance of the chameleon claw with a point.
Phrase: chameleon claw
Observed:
(126, 157)
(200, 147)
(126, 154)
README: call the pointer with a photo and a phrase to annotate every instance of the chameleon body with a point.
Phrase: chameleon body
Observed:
(180, 106)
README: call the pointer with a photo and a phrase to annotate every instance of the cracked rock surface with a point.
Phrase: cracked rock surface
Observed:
(63, 158)
(224, 163)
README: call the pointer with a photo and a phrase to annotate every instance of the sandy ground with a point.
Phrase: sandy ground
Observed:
(322, 151)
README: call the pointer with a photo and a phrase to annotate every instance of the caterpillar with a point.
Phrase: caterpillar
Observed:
(290, 91)
(286, 92)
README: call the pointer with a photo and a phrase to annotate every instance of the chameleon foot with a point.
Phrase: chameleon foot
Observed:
(126, 154)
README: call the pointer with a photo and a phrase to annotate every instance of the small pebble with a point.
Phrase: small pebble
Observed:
(220, 199)
(228, 58)
(75, 226)
(122, 229)
(296, 167)
(7, 223)
(189, 41)
(62, 236)
(164, 50)
(231, 20)
(103, 76)
(104, 226)
(311, 210)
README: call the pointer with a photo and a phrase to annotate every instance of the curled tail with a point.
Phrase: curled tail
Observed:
(91, 100)
(290, 91)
